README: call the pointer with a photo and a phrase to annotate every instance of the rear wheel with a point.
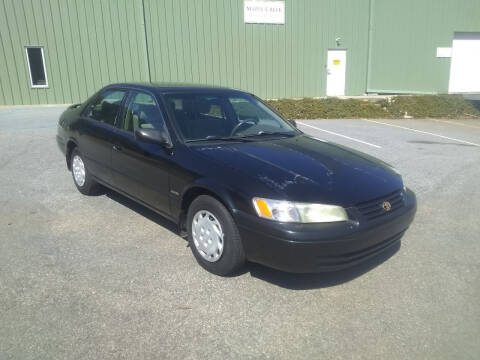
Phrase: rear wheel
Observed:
(213, 237)
(81, 177)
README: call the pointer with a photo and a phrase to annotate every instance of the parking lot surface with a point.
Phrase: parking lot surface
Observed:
(102, 278)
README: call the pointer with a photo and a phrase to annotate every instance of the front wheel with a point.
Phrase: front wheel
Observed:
(81, 177)
(213, 237)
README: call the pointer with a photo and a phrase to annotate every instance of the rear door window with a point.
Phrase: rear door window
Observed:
(106, 107)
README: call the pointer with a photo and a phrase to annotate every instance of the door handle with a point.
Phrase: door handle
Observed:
(117, 148)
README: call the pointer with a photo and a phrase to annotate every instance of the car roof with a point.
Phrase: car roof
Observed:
(165, 87)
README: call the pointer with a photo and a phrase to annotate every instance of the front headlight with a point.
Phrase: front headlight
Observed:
(287, 211)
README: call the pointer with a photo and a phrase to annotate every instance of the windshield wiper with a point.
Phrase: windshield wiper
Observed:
(243, 138)
(220, 138)
(270, 133)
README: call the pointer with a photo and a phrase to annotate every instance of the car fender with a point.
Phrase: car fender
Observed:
(219, 190)
(69, 148)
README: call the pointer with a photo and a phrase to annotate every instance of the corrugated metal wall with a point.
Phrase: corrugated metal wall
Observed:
(207, 41)
(90, 43)
(404, 40)
(87, 44)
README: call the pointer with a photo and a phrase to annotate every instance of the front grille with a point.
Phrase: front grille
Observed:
(373, 209)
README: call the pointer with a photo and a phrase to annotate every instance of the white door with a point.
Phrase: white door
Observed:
(465, 64)
(336, 66)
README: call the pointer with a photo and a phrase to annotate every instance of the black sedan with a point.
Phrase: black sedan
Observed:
(240, 181)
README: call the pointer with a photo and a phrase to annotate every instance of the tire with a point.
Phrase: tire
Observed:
(88, 186)
(208, 211)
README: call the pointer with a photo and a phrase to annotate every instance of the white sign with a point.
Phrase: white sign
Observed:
(264, 12)
(444, 52)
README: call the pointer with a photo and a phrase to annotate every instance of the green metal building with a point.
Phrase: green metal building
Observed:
(61, 51)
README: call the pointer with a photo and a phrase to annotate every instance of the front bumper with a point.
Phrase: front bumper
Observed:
(307, 248)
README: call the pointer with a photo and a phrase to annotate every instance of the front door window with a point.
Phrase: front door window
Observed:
(142, 113)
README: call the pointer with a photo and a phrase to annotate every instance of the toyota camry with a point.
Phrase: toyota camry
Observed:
(242, 183)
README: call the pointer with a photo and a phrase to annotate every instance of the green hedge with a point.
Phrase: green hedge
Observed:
(424, 106)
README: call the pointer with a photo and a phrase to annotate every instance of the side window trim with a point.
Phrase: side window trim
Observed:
(123, 109)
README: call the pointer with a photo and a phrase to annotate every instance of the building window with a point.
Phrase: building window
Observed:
(36, 66)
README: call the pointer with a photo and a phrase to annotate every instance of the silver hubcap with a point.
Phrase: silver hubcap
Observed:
(78, 169)
(207, 235)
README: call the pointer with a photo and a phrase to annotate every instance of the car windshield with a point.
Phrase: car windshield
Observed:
(220, 117)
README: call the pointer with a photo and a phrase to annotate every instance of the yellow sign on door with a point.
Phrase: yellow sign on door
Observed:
(336, 62)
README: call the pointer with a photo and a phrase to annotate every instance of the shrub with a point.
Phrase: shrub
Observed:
(425, 106)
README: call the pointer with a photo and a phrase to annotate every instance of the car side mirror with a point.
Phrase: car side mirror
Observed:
(153, 136)
(293, 122)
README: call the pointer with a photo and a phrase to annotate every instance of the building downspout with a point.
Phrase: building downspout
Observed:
(371, 4)
(145, 44)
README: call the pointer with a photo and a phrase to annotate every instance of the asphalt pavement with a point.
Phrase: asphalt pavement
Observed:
(103, 278)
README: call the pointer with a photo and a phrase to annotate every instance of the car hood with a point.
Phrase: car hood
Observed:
(304, 169)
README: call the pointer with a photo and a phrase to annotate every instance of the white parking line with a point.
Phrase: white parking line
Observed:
(455, 123)
(423, 132)
(337, 134)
